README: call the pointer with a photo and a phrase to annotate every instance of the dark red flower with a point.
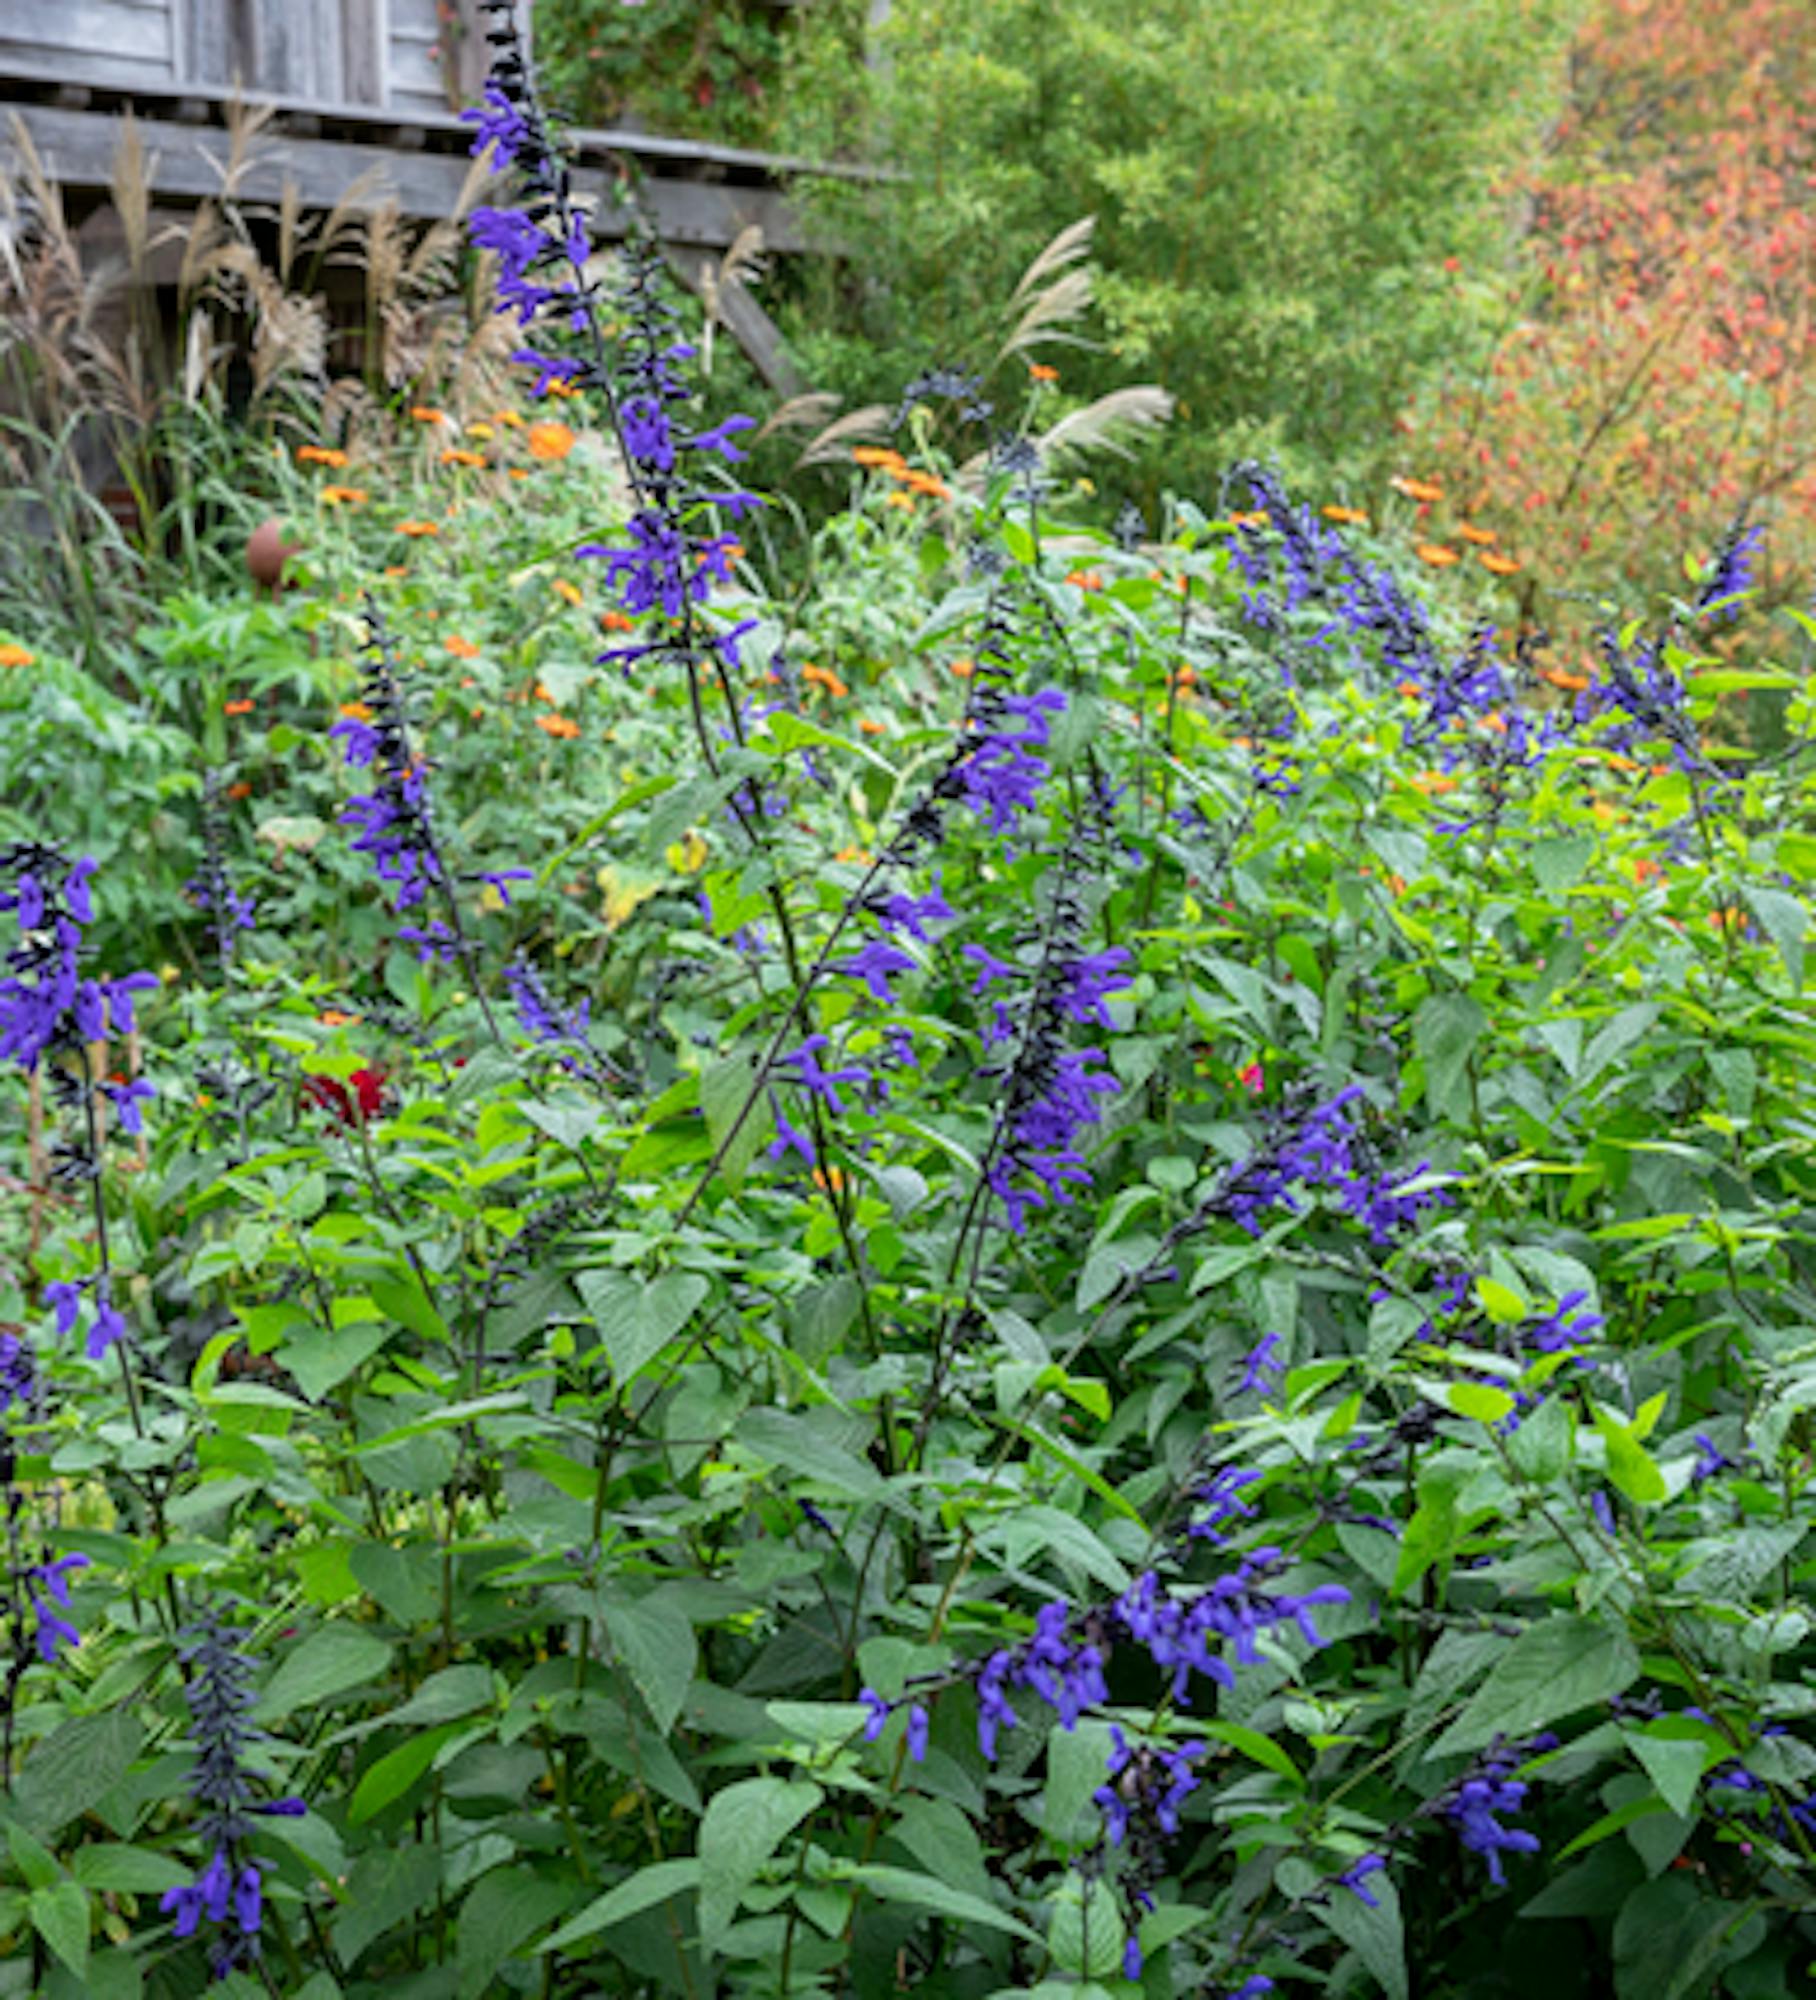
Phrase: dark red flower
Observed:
(365, 1100)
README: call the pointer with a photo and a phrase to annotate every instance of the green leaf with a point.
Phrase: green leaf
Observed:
(902, 1885)
(1376, 1935)
(1478, 1400)
(1551, 1670)
(1251, 1742)
(1632, 1469)
(1540, 1448)
(386, 1781)
(1085, 1931)
(1674, 1764)
(1733, 1564)
(1670, 1940)
(60, 1917)
(139, 1871)
(502, 1910)
(404, 1300)
(330, 1660)
(1785, 920)
(641, 1891)
(388, 1884)
(637, 1320)
(1646, 1806)
(724, 1089)
(1501, 1302)
(1445, 1032)
(452, 1692)
(1559, 859)
(743, 1827)
(654, 1638)
(75, 1767)
(799, 1446)
(1076, 1761)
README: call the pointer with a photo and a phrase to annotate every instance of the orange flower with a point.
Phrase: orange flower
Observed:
(1258, 519)
(567, 592)
(878, 457)
(1345, 517)
(1397, 883)
(871, 727)
(558, 725)
(1572, 683)
(858, 854)
(1433, 782)
(824, 677)
(1085, 579)
(550, 441)
(1483, 538)
(829, 1180)
(903, 500)
(16, 656)
(520, 472)
(425, 415)
(1497, 564)
(462, 649)
(1186, 677)
(1039, 371)
(1645, 870)
(1495, 722)
(320, 454)
(332, 1017)
(415, 528)
(236, 708)
(356, 710)
(454, 455)
(239, 789)
(351, 496)
(1410, 689)
(963, 668)
(924, 483)
(509, 418)
(540, 692)
(615, 621)
(1436, 554)
(1417, 489)
(397, 569)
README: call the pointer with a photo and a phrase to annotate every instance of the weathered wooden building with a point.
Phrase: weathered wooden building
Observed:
(359, 92)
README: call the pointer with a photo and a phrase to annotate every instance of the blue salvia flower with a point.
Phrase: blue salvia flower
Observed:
(46, 1586)
(1485, 1791)
(1355, 1878)
(212, 889)
(1261, 1373)
(227, 1890)
(544, 1020)
(1732, 573)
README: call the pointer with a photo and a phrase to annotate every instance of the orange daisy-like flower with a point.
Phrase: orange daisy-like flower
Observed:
(1416, 489)
(1345, 517)
(879, 458)
(356, 711)
(905, 501)
(1432, 782)
(415, 528)
(397, 569)
(1436, 554)
(1559, 678)
(236, 708)
(1085, 579)
(615, 621)
(540, 692)
(462, 649)
(964, 669)
(567, 592)
(550, 441)
(558, 725)
(424, 415)
(333, 1017)
(239, 789)
(1258, 519)
(519, 471)
(344, 496)
(16, 656)
(1040, 371)
(925, 484)
(1483, 538)
(871, 727)
(457, 455)
(1497, 564)
(320, 454)
(826, 678)
(1645, 870)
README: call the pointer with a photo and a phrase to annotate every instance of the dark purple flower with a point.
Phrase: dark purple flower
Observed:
(1355, 1878)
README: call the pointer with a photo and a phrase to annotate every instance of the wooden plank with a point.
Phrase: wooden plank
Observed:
(749, 325)
(363, 46)
(76, 33)
(101, 71)
(78, 149)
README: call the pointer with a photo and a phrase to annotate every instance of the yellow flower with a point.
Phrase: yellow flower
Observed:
(483, 432)
(567, 592)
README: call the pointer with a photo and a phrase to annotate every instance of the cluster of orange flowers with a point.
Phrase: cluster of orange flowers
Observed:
(880, 458)
(826, 678)
(1440, 555)
(16, 656)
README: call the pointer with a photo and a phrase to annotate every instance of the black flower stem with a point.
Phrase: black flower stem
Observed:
(99, 1202)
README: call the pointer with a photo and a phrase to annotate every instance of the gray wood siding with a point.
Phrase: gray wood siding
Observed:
(413, 73)
(108, 41)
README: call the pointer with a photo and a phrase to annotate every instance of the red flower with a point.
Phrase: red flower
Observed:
(352, 1107)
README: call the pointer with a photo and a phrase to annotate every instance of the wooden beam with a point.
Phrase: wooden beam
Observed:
(189, 162)
(749, 325)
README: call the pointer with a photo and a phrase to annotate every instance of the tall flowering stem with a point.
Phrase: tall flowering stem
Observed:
(51, 1013)
(227, 1889)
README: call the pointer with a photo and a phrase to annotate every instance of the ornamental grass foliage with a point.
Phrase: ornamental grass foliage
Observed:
(1064, 1263)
